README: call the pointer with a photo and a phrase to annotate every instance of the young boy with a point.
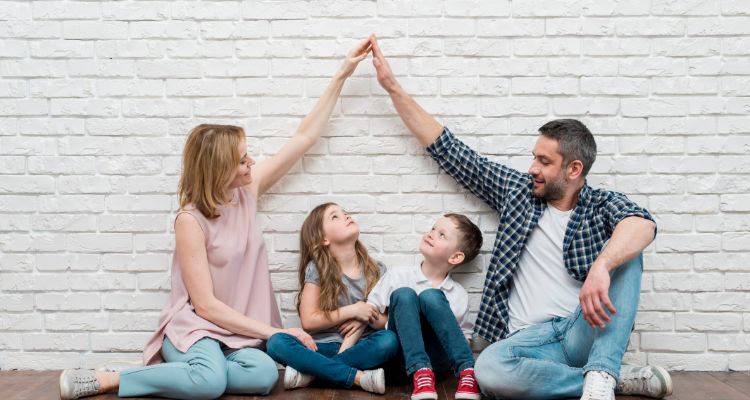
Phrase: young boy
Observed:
(429, 311)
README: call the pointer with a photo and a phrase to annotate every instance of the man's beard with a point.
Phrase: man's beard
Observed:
(552, 191)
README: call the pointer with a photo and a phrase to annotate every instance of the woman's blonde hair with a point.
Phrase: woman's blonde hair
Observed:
(209, 161)
(313, 250)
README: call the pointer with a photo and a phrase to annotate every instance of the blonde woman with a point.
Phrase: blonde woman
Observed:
(221, 308)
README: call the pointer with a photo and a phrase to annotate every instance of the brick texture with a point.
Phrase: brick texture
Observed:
(96, 99)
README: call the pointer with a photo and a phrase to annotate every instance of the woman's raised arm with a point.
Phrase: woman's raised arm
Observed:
(269, 171)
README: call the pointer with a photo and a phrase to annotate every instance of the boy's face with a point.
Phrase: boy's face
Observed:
(441, 242)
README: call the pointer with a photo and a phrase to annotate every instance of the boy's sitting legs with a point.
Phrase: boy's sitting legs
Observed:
(426, 355)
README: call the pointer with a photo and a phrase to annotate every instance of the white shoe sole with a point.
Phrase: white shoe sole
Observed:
(425, 396)
(468, 396)
(667, 379)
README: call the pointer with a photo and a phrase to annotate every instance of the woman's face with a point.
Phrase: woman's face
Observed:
(242, 175)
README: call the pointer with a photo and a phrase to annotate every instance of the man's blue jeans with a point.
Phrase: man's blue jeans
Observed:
(548, 360)
(325, 364)
(428, 332)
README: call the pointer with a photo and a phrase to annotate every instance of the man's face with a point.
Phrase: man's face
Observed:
(547, 170)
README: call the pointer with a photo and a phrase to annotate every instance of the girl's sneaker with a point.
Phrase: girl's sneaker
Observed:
(467, 386)
(373, 381)
(294, 379)
(424, 385)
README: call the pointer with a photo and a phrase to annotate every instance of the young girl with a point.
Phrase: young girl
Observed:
(221, 307)
(336, 274)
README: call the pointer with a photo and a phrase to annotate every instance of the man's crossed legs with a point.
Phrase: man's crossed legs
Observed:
(553, 359)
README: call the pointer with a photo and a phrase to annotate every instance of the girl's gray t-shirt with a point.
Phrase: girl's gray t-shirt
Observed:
(355, 291)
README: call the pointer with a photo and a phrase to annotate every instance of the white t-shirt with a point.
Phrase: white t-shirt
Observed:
(542, 288)
(412, 277)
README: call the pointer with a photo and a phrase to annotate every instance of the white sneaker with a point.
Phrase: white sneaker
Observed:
(373, 381)
(598, 385)
(77, 383)
(644, 381)
(294, 379)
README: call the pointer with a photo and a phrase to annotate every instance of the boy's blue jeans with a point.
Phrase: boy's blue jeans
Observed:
(428, 332)
(548, 360)
(325, 364)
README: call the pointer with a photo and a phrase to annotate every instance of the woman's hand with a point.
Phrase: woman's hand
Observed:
(356, 55)
(351, 326)
(303, 337)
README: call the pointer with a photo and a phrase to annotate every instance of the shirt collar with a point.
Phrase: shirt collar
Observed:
(447, 283)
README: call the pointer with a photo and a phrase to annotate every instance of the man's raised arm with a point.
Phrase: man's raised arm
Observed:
(421, 124)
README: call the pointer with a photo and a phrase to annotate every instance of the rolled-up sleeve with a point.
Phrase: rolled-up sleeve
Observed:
(617, 207)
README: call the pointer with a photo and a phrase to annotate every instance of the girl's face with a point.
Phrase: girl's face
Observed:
(242, 175)
(338, 226)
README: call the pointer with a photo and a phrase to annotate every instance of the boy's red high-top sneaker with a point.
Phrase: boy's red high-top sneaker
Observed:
(467, 386)
(424, 385)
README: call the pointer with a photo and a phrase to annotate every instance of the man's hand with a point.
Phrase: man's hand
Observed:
(594, 297)
(383, 70)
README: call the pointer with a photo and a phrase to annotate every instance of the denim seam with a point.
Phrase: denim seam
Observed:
(350, 377)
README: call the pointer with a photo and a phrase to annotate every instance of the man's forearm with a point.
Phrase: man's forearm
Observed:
(630, 237)
(421, 124)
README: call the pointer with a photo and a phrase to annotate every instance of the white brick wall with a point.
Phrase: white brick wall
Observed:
(96, 99)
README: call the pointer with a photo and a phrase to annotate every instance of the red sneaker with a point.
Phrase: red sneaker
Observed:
(424, 385)
(467, 386)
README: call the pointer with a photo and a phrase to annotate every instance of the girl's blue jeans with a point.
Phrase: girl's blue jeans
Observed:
(327, 364)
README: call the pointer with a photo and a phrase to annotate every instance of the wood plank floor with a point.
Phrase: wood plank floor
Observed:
(42, 385)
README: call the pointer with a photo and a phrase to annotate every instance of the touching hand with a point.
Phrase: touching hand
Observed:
(383, 70)
(351, 326)
(594, 297)
(362, 311)
(303, 337)
(356, 55)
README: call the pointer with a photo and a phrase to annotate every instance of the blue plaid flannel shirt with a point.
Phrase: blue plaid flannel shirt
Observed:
(508, 192)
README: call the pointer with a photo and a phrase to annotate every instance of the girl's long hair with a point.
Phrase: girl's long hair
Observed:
(209, 161)
(313, 250)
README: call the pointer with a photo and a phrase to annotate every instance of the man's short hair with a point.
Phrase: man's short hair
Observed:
(575, 141)
(470, 240)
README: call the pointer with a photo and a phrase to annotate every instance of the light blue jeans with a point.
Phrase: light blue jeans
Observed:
(203, 372)
(548, 360)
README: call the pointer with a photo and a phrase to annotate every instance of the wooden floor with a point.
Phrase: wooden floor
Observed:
(35, 385)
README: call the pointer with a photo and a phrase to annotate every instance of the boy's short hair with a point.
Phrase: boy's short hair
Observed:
(470, 240)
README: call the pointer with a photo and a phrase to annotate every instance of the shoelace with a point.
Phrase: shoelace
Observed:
(424, 381)
(467, 380)
(597, 387)
(85, 385)
(636, 383)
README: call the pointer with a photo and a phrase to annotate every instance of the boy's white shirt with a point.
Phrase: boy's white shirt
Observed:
(412, 277)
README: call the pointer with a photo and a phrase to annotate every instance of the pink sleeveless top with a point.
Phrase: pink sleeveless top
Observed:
(238, 264)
